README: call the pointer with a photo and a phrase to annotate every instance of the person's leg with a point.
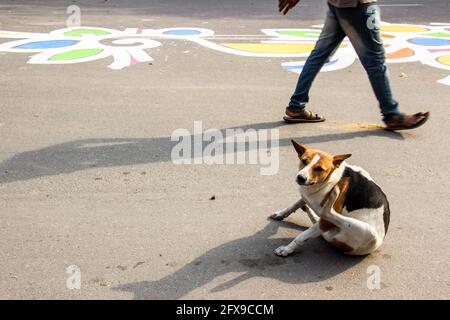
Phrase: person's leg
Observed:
(362, 26)
(330, 37)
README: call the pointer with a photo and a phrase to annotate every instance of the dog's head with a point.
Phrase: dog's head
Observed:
(316, 166)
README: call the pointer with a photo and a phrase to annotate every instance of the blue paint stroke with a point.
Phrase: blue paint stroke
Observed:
(299, 67)
(182, 32)
(431, 42)
(50, 44)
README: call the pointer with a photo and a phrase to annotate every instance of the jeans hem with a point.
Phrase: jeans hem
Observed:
(296, 107)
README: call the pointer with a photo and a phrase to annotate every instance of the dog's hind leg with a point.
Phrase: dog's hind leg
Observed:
(354, 236)
(283, 214)
(310, 233)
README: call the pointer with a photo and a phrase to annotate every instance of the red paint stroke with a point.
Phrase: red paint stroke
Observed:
(439, 50)
(133, 59)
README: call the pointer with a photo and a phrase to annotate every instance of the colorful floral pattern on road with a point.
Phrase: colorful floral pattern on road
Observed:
(429, 45)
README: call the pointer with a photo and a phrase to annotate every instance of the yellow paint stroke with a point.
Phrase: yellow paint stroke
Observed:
(444, 60)
(7, 34)
(361, 126)
(274, 48)
(400, 28)
(17, 35)
(271, 47)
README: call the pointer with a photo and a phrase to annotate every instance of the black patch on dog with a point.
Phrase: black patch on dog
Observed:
(363, 193)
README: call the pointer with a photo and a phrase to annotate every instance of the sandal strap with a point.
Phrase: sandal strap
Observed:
(311, 115)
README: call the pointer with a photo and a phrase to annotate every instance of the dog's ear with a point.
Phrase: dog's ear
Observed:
(337, 160)
(299, 148)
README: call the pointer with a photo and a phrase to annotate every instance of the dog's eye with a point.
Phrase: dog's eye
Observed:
(305, 161)
(319, 169)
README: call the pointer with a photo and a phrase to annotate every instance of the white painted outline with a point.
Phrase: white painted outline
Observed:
(132, 44)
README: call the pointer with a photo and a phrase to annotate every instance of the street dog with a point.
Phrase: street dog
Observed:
(344, 203)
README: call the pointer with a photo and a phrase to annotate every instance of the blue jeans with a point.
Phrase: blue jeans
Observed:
(361, 25)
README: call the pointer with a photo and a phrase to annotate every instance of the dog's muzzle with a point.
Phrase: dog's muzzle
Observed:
(301, 180)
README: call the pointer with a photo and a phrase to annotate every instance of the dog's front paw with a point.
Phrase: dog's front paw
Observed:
(276, 216)
(283, 251)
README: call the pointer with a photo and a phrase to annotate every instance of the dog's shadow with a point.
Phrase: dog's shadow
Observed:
(253, 257)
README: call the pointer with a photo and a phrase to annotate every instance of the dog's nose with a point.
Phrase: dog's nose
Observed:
(301, 179)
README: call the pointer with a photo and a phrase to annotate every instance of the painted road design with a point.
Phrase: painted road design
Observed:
(427, 44)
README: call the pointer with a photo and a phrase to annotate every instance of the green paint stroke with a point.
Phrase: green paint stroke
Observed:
(81, 32)
(437, 34)
(300, 33)
(76, 54)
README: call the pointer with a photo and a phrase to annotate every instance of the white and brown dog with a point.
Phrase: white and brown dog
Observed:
(343, 202)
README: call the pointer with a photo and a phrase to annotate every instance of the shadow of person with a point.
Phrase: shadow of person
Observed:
(85, 154)
(253, 257)
(95, 153)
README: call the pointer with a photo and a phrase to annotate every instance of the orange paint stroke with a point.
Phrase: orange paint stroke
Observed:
(400, 54)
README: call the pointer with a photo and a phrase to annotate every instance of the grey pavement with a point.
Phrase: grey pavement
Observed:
(86, 176)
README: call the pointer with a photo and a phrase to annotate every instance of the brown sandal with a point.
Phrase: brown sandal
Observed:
(407, 121)
(301, 117)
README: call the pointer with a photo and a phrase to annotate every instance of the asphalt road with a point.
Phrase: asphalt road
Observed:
(86, 176)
